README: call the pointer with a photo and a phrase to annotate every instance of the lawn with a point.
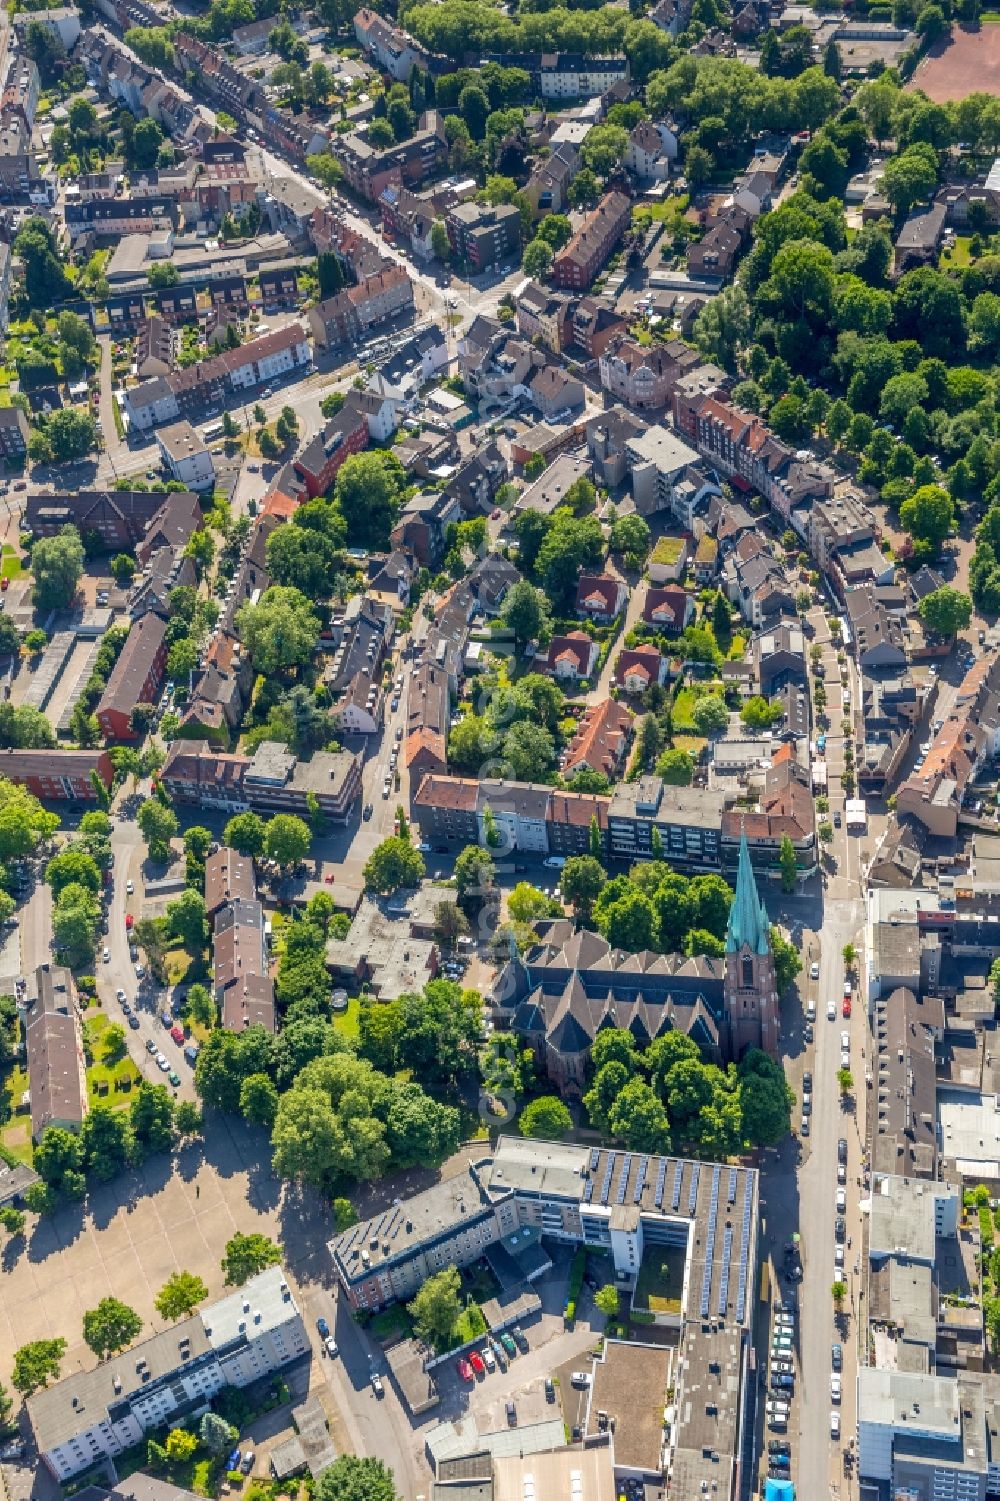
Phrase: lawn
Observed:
(391, 1321)
(682, 709)
(10, 562)
(347, 1022)
(661, 1279)
(109, 1083)
(958, 255)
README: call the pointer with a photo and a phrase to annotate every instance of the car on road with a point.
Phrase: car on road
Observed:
(831, 1011)
(133, 1021)
(386, 788)
(330, 1346)
(845, 1042)
(464, 1369)
(162, 1062)
(845, 1060)
(838, 1257)
(376, 1385)
(804, 1126)
(834, 1424)
(837, 819)
(140, 970)
(580, 1378)
(126, 1009)
(121, 996)
(151, 1046)
(175, 1078)
(367, 811)
(782, 1382)
(808, 1032)
(840, 1227)
(782, 1368)
(846, 1010)
(177, 1033)
(129, 920)
(807, 1079)
(554, 862)
(106, 956)
(807, 1103)
(814, 971)
(323, 1327)
(129, 888)
(550, 1390)
(476, 1362)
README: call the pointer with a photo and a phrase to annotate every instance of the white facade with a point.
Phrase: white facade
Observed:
(186, 456)
(579, 82)
(97, 1414)
(147, 414)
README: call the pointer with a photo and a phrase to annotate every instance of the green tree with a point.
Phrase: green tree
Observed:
(392, 864)
(910, 176)
(606, 1300)
(287, 840)
(36, 1364)
(545, 1117)
(281, 631)
(604, 148)
(188, 918)
(928, 516)
(158, 825)
(475, 874)
(246, 1255)
(110, 1326)
(72, 867)
(437, 1306)
(367, 491)
(215, 1433)
(537, 258)
(710, 715)
(180, 1445)
(56, 566)
(180, 1296)
(765, 1099)
(582, 880)
(245, 833)
(353, 1479)
(259, 1100)
(946, 611)
(676, 767)
(788, 865)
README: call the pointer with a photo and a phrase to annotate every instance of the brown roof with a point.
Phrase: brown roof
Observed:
(598, 586)
(676, 600)
(643, 659)
(132, 668)
(228, 876)
(577, 645)
(601, 738)
(458, 793)
(56, 1072)
(578, 808)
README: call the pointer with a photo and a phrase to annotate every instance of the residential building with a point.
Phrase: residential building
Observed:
(608, 437)
(350, 315)
(572, 657)
(645, 376)
(389, 46)
(243, 988)
(601, 741)
(594, 326)
(547, 493)
(547, 188)
(229, 877)
(94, 1415)
(120, 517)
(600, 597)
(219, 378)
(59, 775)
(714, 256)
(113, 218)
(14, 433)
(545, 316)
(370, 171)
(591, 247)
(410, 217)
(390, 947)
(669, 609)
(968, 738)
(135, 678)
(354, 676)
(483, 236)
(53, 1039)
(154, 348)
(667, 475)
(186, 455)
(651, 149)
(422, 525)
(273, 778)
(919, 239)
(556, 393)
(641, 668)
(565, 75)
(344, 433)
(689, 821)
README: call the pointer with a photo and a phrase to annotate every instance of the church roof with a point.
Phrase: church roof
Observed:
(749, 925)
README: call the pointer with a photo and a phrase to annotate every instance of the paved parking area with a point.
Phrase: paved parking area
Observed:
(173, 1214)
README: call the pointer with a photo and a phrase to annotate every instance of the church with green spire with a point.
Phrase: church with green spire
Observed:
(751, 991)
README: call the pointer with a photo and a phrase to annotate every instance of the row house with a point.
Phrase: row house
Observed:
(58, 775)
(565, 75)
(112, 218)
(351, 314)
(595, 325)
(21, 89)
(547, 189)
(410, 217)
(135, 678)
(345, 433)
(241, 982)
(369, 170)
(785, 810)
(237, 93)
(589, 250)
(501, 368)
(355, 672)
(526, 816)
(272, 779)
(545, 316)
(645, 377)
(279, 289)
(121, 518)
(210, 383)
(422, 525)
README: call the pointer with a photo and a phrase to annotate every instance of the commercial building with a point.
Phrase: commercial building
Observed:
(57, 1075)
(95, 1415)
(623, 1204)
(186, 455)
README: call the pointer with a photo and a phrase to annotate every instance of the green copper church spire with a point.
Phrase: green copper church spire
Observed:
(749, 924)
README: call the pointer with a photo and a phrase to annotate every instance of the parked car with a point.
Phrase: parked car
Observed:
(837, 1357)
(330, 1346)
(377, 1387)
(133, 1021)
(508, 1345)
(847, 1006)
(477, 1363)
(151, 1046)
(323, 1327)
(834, 1424)
(550, 1390)
(233, 1462)
(511, 1415)
(464, 1369)
(779, 1446)
(520, 1336)
(580, 1378)
(831, 1011)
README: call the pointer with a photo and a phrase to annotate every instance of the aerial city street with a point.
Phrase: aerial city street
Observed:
(499, 833)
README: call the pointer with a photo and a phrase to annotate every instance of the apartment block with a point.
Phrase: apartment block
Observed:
(592, 246)
(484, 236)
(95, 1415)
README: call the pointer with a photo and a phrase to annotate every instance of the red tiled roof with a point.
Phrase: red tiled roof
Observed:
(601, 738)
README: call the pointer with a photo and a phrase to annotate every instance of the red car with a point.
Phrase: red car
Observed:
(129, 919)
(464, 1369)
(476, 1361)
(495, 515)
(847, 1005)
(177, 1033)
